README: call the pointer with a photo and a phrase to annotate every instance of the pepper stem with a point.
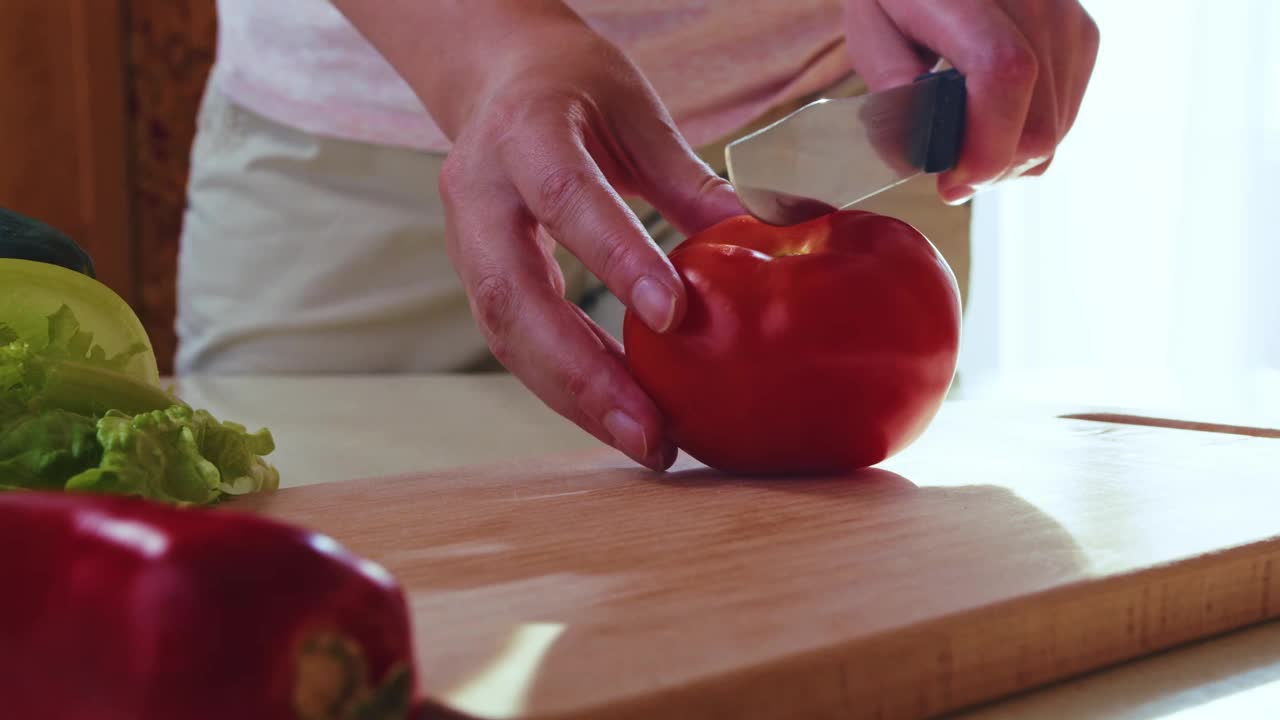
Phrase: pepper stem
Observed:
(332, 683)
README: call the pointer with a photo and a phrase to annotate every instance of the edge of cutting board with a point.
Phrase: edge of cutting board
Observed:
(953, 662)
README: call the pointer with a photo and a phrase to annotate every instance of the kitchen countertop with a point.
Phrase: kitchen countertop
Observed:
(330, 429)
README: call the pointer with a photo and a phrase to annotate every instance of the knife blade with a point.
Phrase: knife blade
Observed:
(833, 153)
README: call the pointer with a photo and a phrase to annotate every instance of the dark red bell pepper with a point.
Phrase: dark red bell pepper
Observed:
(115, 608)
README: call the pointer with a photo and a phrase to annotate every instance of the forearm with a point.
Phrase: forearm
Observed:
(451, 51)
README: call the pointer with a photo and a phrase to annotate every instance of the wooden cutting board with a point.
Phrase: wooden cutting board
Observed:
(1005, 549)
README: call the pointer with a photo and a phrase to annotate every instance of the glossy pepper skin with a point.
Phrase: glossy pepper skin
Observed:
(816, 348)
(118, 608)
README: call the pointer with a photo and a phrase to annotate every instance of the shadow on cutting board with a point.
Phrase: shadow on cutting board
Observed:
(649, 593)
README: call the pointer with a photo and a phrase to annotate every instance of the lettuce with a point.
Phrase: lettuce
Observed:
(177, 454)
(74, 416)
(41, 450)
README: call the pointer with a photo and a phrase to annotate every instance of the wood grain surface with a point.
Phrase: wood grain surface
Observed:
(1001, 552)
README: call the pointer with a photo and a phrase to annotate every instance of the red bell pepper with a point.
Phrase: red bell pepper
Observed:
(117, 608)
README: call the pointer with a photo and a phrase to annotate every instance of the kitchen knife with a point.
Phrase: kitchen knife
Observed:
(834, 153)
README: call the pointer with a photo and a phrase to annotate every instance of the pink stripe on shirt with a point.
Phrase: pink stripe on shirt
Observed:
(717, 64)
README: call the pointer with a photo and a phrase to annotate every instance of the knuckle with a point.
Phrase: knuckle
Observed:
(712, 184)
(493, 305)
(510, 136)
(509, 121)
(618, 260)
(560, 194)
(1092, 33)
(1012, 63)
(576, 381)
(510, 111)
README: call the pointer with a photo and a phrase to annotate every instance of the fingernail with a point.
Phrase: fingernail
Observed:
(957, 195)
(654, 302)
(669, 454)
(1017, 171)
(627, 434)
(1026, 167)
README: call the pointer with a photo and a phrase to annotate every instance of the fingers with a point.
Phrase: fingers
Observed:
(1042, 129)
(883, 56)
(1001, 67)
(640, 151)
(545, 341)
(1067, 48)
(567, 192)
(674, 179)
(667, 448)
(555, 274)
(1078, 58)
(1027, 63)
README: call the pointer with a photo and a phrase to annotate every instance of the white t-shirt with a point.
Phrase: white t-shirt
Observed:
(717, 64)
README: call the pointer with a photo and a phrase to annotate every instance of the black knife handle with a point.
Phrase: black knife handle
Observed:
(937, 138)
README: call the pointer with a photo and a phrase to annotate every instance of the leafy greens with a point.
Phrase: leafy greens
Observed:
(74, 417)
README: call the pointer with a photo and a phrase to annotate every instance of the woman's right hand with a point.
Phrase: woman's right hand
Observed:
(552, 125)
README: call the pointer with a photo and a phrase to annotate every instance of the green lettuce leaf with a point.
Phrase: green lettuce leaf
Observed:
(34, 379)
(67, 341)
(41, 450)
(178, 455)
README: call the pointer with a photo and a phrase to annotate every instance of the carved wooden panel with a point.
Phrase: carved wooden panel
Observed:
(170, 49)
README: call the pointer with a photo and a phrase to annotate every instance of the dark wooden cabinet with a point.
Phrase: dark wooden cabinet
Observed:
(98, 100)
(63, 148)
